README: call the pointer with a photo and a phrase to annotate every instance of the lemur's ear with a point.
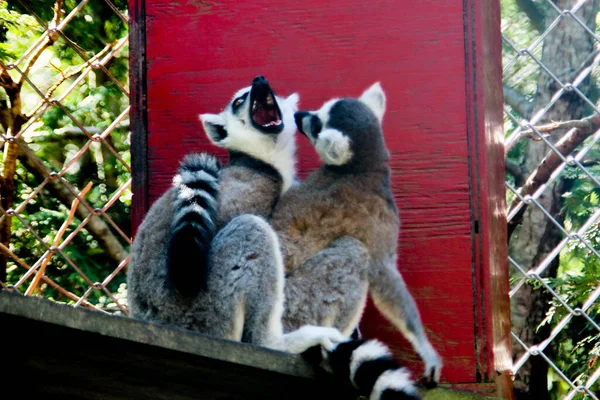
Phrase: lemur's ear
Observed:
(214, 126)
(333, 147)
(292, 101)
(374, 98)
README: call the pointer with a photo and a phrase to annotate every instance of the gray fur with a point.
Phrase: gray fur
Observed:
(343, 266)
(247, 186)
(344, 209)
(243, 296)
(213, 311)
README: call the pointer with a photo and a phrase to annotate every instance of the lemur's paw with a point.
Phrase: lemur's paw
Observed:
(428, 381)
(310, 335)
(433, 369)
(326, 337)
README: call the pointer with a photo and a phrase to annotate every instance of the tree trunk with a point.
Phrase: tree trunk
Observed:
(564, 50)
(9, 166)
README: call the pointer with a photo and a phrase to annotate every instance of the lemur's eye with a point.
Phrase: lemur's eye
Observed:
(238, 102)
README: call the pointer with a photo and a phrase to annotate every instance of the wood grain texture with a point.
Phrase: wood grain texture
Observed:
(70, 353)
(200, 52)
(139, 108)
(494, 285)
(91, 355)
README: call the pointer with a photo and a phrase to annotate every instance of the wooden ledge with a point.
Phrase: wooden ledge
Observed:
(78, 353)
(56, 350)
(47, 312)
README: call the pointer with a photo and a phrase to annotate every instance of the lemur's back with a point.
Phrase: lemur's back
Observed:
(350, 195)
(328, 206)
(339, 228)
(247, 186)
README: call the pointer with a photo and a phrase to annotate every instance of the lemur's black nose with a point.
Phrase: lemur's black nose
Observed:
(259, 79)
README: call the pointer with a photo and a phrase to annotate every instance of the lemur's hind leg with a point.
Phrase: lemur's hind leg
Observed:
(330, 288)
(246, 285)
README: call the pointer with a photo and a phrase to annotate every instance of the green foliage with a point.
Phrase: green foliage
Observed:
(12, 25)
(522, 74)
(95, 102)
(41, 8)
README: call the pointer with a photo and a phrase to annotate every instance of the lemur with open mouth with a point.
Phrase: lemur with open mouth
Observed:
(204, 258)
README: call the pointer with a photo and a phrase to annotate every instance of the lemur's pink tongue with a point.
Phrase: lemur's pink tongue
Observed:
(264, 116)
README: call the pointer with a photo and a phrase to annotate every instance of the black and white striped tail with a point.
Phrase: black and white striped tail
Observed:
(372, 370)
(194, 222)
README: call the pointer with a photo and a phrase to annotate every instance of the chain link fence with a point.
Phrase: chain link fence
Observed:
(550, 67)
(64, 215)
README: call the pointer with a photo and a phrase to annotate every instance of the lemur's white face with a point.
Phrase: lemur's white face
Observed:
(255, 122)
(333, 146)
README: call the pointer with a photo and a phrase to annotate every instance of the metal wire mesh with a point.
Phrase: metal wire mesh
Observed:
(85, 219)
(523, 65)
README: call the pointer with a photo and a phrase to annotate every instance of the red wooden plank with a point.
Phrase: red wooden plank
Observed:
(485, 104)
(138, 112)
(200, 52)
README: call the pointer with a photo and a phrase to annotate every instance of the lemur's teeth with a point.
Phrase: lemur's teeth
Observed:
(273, 123)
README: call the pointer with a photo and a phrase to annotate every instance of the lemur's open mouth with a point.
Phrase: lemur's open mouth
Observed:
(264, 111)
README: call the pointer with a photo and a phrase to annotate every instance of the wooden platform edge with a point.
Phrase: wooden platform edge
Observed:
(72, 353)
(119, 327)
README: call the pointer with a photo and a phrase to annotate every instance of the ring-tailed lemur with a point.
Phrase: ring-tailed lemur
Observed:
(228, 285)
(339, 228)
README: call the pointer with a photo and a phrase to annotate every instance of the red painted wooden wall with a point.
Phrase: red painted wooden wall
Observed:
(439, 63)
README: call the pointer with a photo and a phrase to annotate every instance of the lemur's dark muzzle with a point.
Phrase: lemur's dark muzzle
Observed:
(260, 86)
(298, 118)
(264, 110)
